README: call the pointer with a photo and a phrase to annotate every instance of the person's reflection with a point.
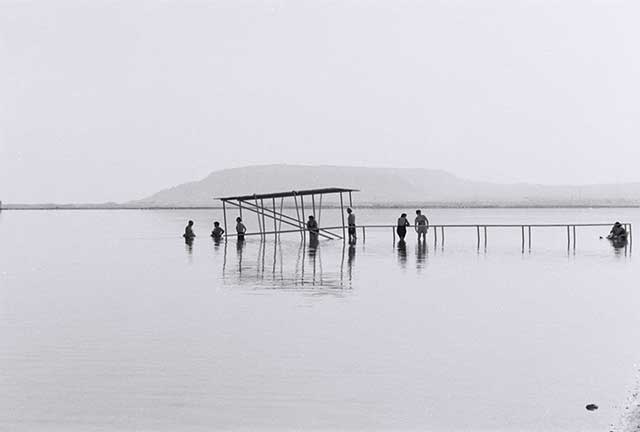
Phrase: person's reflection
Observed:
(421, 254)
(402, 253)
(619, 246)
(351, 259)
(216, 243)
(188, 241)
(312, 253)
(239, 248)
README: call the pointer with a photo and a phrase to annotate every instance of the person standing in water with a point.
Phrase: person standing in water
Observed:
(188, 231)
(240, 228)
(312, 226)
(217, 231)
(351, 222)
(403, 223)
(421, 225)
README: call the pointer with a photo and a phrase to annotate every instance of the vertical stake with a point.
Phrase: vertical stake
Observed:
(281, 207)
(258, 213)
(485, 236)
(304, 220)
(313, 206)
(478, 233)
(224, 215)
(264, 223)
(295, 198)
(275, 228)
(342, 214)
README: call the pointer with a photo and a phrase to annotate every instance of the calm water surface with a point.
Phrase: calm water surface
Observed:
(109, 322)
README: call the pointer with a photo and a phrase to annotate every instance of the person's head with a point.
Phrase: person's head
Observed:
(238, 219)
(190, 223)
(311, 217)
(216, 224)
(349, 210)
(418, 212)
(403, 215)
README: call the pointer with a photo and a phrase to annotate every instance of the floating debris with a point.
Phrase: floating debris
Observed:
(591, 407)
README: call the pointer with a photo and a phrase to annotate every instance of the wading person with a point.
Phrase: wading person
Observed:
(312, 226)
(351, 222)
(403, 223)
(240, 228)
(188, 231)
(421, 225)
(217, 231)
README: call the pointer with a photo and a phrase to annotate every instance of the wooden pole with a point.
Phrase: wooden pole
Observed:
(529, 237)
(568, 238)
(344, 234)
(264, 222)
(350, 201)
(574, 236)
(478, 233)
(441, 232)
(275, 227)
(320, 208)
(393, 232)
(224, 215)
(485, 237)
(281, 207)
(295, 198)
(364, 235)
(313, 205)
(258, 214)
(435, 237)
(304, 219)
(522, 237)
(240, 207)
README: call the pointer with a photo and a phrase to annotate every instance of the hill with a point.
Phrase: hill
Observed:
(386, 187)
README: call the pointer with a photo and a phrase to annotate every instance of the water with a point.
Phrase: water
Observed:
(109, 322)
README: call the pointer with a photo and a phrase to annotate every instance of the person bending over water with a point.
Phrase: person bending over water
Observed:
(217, 231)
(403, 223)
(240, 228)
(617, 231)
(188, 231)
(421, 225)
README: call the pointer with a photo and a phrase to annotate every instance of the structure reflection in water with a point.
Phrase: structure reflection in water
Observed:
(288, 265)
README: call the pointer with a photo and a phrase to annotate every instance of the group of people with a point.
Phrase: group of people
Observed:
(421, 225)
(217, 233)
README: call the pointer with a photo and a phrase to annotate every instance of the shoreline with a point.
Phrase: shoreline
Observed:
(38, 207)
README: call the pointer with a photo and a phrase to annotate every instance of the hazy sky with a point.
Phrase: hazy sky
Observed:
(113, 100)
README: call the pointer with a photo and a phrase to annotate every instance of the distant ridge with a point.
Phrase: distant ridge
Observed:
(388, 187)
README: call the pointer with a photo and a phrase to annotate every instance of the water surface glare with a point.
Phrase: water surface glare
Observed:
(110, 322)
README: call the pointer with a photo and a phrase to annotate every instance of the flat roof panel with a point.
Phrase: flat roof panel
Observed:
(303, 192)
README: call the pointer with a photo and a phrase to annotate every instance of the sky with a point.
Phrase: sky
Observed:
(115, 100)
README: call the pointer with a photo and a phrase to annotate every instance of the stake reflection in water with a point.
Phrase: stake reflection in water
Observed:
(288, 264)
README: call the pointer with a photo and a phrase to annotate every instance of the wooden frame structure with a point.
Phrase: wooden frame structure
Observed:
(265, 206)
